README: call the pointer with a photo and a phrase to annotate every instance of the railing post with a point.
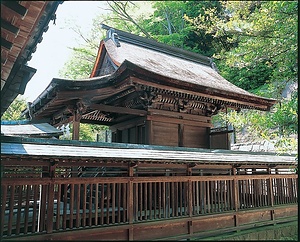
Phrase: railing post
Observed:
(271, 196)
(130, 200)
(235, 196)
(190, 199)
(50, 207)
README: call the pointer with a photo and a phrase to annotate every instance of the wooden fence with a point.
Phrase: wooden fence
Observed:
(49, 205)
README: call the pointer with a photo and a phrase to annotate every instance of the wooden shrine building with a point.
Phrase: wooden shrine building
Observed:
(163, 176)
(147, 93)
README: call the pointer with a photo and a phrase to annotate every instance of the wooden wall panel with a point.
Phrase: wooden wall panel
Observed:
(205, 224)
(219, 141)
(254, 217)
(125, 136)
(286, 212)
(163, 230)
(165, 134)
(195, 137)
(132, 136)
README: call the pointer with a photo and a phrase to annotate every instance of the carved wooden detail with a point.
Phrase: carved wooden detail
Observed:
(168, 100)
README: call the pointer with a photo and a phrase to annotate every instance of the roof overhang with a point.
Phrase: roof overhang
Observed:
(61, 97)
(27, 129)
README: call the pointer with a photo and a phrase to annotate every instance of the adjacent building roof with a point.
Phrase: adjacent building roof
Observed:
(117, 152)
(132, 72)
(22, 26)
(26, 129)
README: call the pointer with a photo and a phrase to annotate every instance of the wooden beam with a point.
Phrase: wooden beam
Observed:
(8, 26)
(113, 109)
(178, 121)
(6, 44)
(16, 7)
(128, 124)
(170, 114)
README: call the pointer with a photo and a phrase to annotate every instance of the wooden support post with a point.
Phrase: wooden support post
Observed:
(149, 132)
(235, 196)
(190, 194)
(76, 128)
(180, 135)
(271, 197)
(50, 207)
(130, 200)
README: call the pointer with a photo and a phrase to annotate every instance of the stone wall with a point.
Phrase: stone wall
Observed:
(261, 146)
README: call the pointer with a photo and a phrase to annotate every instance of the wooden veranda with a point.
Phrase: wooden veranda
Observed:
(73, 190)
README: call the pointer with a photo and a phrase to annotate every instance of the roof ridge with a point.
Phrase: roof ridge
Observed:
(157, 46)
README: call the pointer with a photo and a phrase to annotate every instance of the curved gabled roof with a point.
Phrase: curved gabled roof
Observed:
(130, 68)
(182, 67)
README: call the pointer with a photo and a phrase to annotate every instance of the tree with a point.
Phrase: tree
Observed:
(264, 36)
(261, 58)
(15, 109)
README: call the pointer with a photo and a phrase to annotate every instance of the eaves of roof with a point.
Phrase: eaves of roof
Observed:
(127, 69)
(187, 73)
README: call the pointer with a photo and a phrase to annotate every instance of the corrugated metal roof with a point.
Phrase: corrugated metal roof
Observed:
(40, 129)
(143, 155)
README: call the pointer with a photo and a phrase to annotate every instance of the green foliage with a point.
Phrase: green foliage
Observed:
(15, 109)
(129, 16)
(280, 125)
(82, 59)
(79, 65)
(264, 33)
(260, 55)
(87, 132)
(249, 77)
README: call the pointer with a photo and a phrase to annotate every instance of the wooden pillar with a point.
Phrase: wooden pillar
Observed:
(180, 135)
(130, 199)
(76, 128)
(149, 132)
(235, 196)
(50, 207)
(190, 198)
(271, 196)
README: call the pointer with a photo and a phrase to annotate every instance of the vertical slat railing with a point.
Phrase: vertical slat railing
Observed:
(115, 201)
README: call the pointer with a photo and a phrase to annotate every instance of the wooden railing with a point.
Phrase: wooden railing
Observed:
(38, 205)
